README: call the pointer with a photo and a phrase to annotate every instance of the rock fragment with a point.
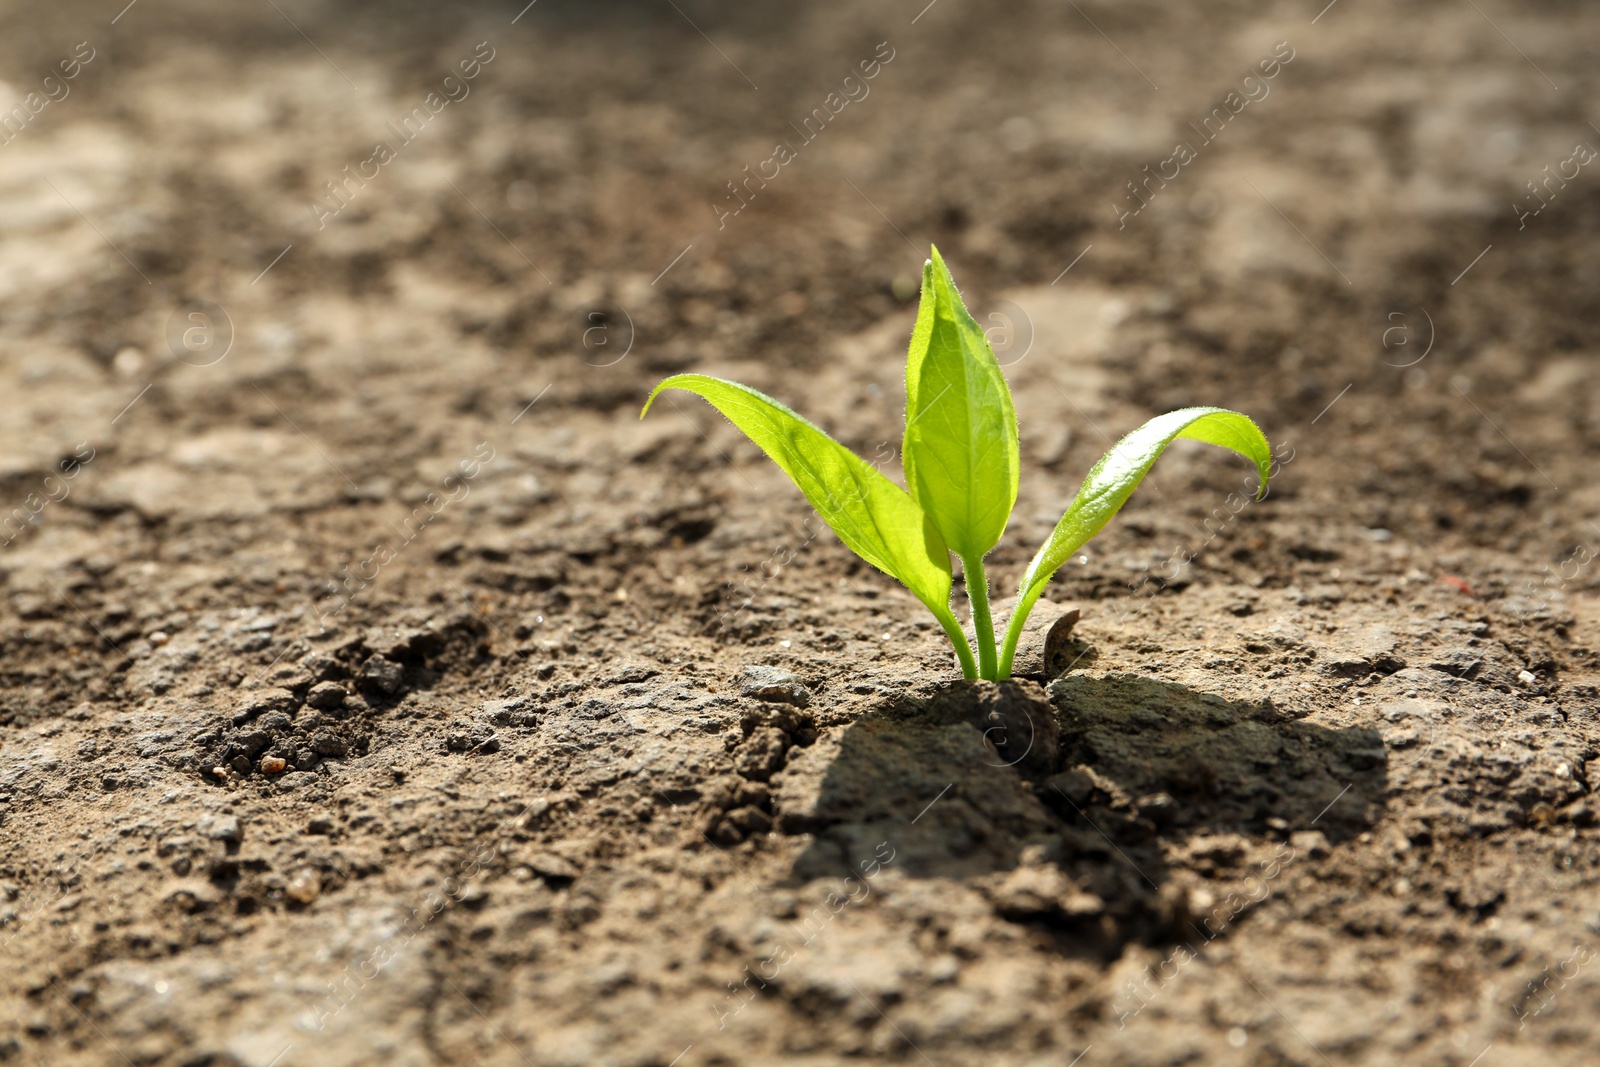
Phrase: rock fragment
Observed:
(326, 696)
(775, 685)
(305, 885)
(382, 674)
(220, 827)
(552, 868)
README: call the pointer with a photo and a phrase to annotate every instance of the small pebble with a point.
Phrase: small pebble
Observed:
(326, 695)
(304, 887)
(220, 827)
(552, 868)
(158, 637)
(128, 361)
(774, 684)
(273, 764)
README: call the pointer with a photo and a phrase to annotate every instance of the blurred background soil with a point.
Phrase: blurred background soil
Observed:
(376, 688)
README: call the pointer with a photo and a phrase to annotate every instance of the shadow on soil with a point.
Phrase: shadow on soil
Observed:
(1080, 795)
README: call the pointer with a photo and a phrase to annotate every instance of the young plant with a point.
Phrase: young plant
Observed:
(961, 464)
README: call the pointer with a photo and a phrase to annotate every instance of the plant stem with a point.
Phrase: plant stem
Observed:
(1019, 619)
(952, 630)
(982, 624)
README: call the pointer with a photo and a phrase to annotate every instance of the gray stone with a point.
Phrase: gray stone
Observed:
(219, 827)
(774, 684)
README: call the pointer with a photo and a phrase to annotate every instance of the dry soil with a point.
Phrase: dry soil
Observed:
(376, 689)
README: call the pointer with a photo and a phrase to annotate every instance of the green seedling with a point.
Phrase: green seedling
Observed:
(960, 458)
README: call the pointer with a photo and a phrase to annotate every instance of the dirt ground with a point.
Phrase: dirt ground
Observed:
(375, 688)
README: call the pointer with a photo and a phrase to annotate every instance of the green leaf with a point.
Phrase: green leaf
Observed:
(960, 453)
(873, 517)
(1114, 478)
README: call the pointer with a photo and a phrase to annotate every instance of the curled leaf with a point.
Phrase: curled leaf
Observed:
(873, 517)
(1112, 481)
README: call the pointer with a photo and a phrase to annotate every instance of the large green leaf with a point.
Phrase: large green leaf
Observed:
(960, 454)
(873, 517)
(1113, 480)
